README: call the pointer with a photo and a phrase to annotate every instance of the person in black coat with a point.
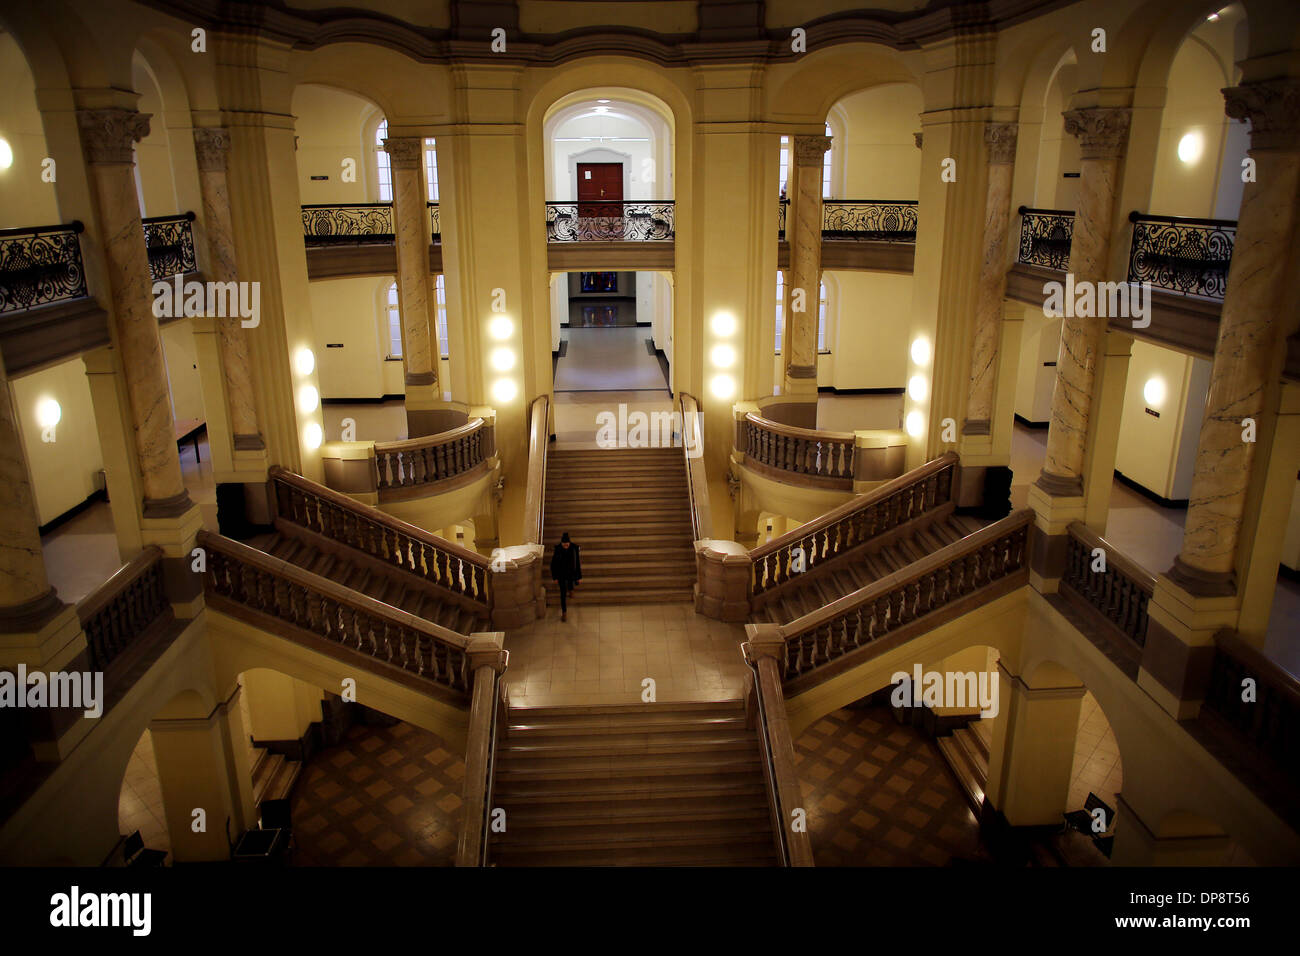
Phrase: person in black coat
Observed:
(566, 570)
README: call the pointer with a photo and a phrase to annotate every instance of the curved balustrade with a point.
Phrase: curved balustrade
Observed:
(433, 458)
(839, 531)
(252, 580)
(1119, 594)
(535, 495)
(40, 265)
(347, 223)
(123, 607)
(1045, 237)
(1189, 256)
(952, 574)
(601, 221)
(869, 220)
(824, 458)
(170, 244)
(336, 516)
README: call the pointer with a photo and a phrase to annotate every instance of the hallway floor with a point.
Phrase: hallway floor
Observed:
(608, 359)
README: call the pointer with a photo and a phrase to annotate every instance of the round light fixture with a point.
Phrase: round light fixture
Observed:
(921, 352)
(501, 327)
(502, 359)
(312, 435)
(723, 356)
(602, 101)
(1190, 147)
(1154, 392)
(308, 399)
(304, 360)
(504, 389)
(6, 154)
(723, 324)
(48, 413)
(916, 388)
(722, 386)
(915, 424)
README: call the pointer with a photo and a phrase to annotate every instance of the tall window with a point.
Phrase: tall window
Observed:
(784, 163)
(821, 319)
(440, 295)
(431, 170)
(394, 314)
(384, 177)
(784, 166)
(826, 169)
(780, 308)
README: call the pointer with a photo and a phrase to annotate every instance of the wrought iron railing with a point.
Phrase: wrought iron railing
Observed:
(782, 208)
(1188, 256)
(170, 243)
(348, 224)
(40, 265)
(869, 220)
(609, 221)
(1045, 236)
(435, 223)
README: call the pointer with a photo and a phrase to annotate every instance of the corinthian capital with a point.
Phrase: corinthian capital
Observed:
(405, 152)
(809, 150)
(1000, 138)
(211, 146)
(1273, 108)
(108, 135)
(1102, 131)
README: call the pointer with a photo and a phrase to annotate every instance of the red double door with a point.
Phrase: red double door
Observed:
(600, 190)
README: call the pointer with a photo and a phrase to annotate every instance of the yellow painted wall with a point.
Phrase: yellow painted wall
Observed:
(153, 153)
(877, 157)
(1159, 453)
(330, 125)
(24, 199)
(183, 370)
(1040, 341)
(1193, 105)
(346, 311)
(868, 342)
(63, 471)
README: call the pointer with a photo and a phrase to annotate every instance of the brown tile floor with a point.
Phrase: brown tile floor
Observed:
(139, 804)
(385, 796)
(880, 794)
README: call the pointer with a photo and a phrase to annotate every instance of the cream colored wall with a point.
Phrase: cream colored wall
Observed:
(330, 125)
(64, 470)
(1193, 104)
(153, 158)
(24, 199)
(1159, 453)
(624, 125)
(346, 311)
(182, 369)
(1058, 153)
(878, 158)
(1040, 341)
(868, 344)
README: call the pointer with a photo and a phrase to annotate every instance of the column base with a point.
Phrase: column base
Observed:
(1048, 536)
(44, 634)
(1202, 583)
(248, 466)
(984, 491)
(172, 507)
(176, 537)
(1178, 653)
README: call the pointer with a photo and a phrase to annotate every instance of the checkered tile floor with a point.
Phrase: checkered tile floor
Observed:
(880, 794)
(385, 796)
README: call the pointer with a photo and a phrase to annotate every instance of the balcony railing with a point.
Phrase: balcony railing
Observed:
(435, 223)
(1188, 256)
(170, 243)
(425, 461)
(869, 220)
(348, 224)
(1268, 720)
(39, 266)
(824, 458)
(781, 210)
(128, 603)
(1045, 238)
(609, 221)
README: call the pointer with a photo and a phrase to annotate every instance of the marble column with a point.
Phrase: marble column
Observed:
(411, 222)
(108, 137)
(803, 229)
(1253, 326)
(1103, 135)
(1000, 138)
(212, 147)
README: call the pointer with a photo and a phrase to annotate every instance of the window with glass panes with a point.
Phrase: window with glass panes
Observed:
(826, 169)
(431, 170)
(383, 170)
(394, 313)
(780, 308)
(440, 294)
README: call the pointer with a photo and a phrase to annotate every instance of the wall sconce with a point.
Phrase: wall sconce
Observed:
(722, 386)
(921, 352)
(312, 436)
(1153, 392)
(917, 388)
(504, 390)
(304, 361)
(1190, 147)
(915, 424)
(48, 413)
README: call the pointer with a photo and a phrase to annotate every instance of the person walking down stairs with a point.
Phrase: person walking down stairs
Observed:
(566, 571)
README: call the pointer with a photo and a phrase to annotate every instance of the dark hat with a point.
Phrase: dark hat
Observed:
(564, 537)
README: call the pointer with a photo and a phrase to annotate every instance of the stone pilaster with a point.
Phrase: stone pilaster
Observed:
(107, 137)
(1103, 135)
(803, 229)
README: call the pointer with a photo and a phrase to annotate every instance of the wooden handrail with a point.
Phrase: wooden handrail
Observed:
(1119, 595)
(535, 493)
(1268, 670)
(480, 754)
(859, 503)
(794, 431)
(697, 483)
(120, 609)
(121, 579)
(430, 441)
(776, 743)
(1114, 558)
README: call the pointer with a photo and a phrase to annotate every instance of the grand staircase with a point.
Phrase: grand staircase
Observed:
(629, 512)
(870, 562)
(634, 785)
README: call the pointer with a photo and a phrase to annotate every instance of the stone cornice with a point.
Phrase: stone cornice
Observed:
(1102, 131)
(810, 150)
(1273, 108)
(1000, 138)
(405, 152)
(108, 136)
(212, 148)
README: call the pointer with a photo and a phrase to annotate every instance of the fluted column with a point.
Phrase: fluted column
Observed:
(212, 147)
(803, 229)
(1000, 138)
(1103, 135)
(411, 222)
(1253, 326)
(107, 137)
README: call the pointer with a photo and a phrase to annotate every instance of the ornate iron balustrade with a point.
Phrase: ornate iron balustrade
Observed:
(435, 223)
(1119, 594)
(1188, 256)
(434, 458)
(1045, 236)
(170, 243)
(782, 208)
(348, 224)
(952, 574)
(609, 221)
(869, 220)
(40, 265)
(125, 606)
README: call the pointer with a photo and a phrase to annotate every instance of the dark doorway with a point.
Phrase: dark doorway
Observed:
(596, 182)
